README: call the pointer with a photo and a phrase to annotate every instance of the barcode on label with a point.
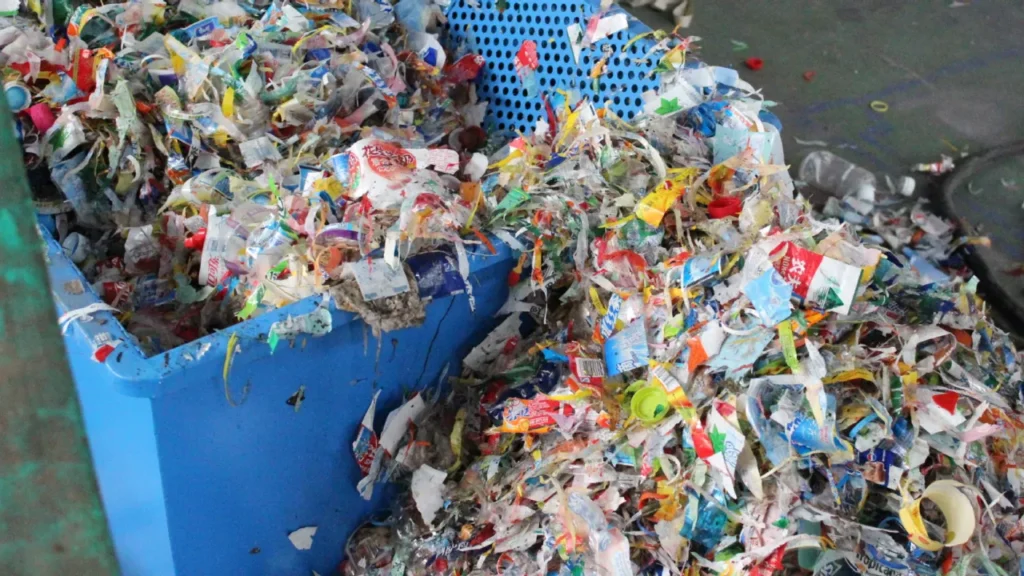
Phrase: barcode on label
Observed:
(587, 368)
(667, 380)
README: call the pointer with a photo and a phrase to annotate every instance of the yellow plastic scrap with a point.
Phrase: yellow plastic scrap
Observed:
(178, 64)
(669, 506)
(227, 105)
(567, 129)
(848, 375)
(228, 359)
(456, 439)
(733, 260)
(580, 395)
(220, 138)
(599, 69)
(595, 299)
(331, 186)
(653, 207)
(674, 58)
(955, 507)
(512, 156)
(618, 223)
(850, 414)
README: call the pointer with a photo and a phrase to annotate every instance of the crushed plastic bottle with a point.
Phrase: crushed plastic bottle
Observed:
(835, 175)
(848, 181)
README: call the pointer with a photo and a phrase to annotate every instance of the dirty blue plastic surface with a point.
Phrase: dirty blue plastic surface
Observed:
(497, 35)
(192, 485)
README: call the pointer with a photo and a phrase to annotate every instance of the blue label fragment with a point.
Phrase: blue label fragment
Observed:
(202, 28)
(627, 350)
(437, 274)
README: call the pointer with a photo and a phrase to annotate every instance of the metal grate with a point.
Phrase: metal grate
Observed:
(498, 36)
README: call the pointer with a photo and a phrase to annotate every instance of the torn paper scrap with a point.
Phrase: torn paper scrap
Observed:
(378, 280)
(302, 538)
(427, 490)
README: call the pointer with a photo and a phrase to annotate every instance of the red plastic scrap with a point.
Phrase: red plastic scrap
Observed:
(947, 401)
(754, 63)
(724, 206)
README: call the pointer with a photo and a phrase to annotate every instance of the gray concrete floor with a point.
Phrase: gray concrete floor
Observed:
(952, 77)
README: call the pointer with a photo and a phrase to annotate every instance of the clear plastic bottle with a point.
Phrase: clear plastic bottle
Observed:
(837, 176)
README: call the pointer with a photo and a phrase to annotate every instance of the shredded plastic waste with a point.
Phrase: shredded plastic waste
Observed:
(696, 373)
(699, 374)
(208, 162)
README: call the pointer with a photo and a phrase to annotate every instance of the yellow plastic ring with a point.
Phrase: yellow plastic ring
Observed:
(879, 106)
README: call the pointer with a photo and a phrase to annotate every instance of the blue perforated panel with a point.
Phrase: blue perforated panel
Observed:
(498, 36)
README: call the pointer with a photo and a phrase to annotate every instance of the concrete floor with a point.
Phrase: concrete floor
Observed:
(951, 75)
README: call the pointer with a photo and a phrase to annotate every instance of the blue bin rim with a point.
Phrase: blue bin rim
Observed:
(134, 374)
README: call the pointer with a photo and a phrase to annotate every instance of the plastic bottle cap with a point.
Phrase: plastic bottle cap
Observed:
(907, 185)
(725, 206)
(649, 404)
(18, 96)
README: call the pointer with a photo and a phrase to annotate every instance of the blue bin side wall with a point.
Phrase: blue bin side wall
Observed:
(242, 478)
(124, 452)
(219, 481)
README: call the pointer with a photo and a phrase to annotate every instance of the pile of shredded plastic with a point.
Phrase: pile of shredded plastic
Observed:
(208, 162)
(695, 373)
(698, 375)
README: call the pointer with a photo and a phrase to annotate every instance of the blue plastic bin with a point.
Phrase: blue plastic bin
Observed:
(194, 486)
